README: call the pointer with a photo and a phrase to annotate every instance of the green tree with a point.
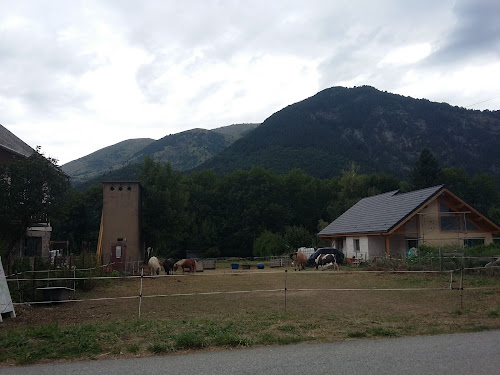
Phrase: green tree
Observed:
(268, 243)
(297, 236)
(31, 190)
(426, 172)
(80, 219)
(164, 207)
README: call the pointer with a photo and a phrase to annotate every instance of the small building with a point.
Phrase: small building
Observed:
(120, 242)
(390, 224)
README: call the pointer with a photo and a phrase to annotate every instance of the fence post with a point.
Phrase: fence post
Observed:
(140, 292)
(461, 288)
(19, 288)
(440, 260)
(286, 273)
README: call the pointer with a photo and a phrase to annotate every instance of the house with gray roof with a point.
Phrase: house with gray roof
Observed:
(37, 240)
(12, 146)
(390, 224)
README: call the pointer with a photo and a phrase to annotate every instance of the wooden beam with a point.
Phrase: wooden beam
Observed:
(387, 251)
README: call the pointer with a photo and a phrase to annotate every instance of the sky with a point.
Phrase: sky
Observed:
(77, 76)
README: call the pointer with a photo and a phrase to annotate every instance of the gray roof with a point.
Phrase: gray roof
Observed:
(13, 144)
(380, 213)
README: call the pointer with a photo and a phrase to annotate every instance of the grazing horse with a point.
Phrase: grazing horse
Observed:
(326, 259)
(189, 264)
(168, 264)
(299, 260)
(178, 264)
(185, 264)
(154, 265)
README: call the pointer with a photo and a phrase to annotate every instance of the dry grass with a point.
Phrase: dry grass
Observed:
(186, 315)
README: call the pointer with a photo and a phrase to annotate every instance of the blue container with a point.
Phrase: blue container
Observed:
(235, 266)
(260, 266)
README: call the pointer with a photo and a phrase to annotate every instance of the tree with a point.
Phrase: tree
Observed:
(164, 206)
(297, 236)
(31, 190)
(80, 218)
(426, 172)
(267, 244)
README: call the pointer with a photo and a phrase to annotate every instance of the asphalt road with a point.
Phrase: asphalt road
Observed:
(468, 353)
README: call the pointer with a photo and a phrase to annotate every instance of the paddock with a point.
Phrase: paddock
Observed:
(248, 307)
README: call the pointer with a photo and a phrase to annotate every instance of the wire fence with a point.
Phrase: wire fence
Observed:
(30, 288)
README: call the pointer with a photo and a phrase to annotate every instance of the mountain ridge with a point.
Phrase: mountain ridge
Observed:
(325, 133)
(184, 150)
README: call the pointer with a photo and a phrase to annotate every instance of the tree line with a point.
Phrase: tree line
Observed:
(254, 212)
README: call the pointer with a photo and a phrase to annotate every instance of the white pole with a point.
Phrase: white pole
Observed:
(140, 293)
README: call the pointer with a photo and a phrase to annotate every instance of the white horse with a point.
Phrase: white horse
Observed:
(154, 265)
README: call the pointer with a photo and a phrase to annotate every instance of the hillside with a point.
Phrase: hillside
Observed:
(380, 131)
(183, 150)
(190, 148)
(104, 160)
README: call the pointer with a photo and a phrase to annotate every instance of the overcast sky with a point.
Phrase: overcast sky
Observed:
(77, 76)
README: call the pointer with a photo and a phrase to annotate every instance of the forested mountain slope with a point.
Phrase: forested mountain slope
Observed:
(104, 160)
(183, 150)
(381, 132)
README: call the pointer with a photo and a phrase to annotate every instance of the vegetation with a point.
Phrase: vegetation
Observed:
(98, 329)
(426, 171)
(381, 132)
(183, 151)
(31, 191)
(255, 212)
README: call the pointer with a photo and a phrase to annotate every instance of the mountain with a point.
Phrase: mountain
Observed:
(104, 160)
(380, 131)
(188, 149)
(184, 151)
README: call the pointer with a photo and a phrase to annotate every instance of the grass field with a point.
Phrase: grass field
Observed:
(225, 308)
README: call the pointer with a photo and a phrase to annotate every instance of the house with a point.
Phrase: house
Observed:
(390, 224)
(37, 241)
(11, 146)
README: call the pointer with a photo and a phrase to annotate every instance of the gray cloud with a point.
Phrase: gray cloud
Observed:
(475, 35)
(197, 61)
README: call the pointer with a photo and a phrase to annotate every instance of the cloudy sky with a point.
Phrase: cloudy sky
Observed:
(77, 76)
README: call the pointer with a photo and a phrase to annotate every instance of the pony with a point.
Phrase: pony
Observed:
(189, 264)
(185, 264)
(154, 265)
(168, 265)
(178, 265)
(299, 260)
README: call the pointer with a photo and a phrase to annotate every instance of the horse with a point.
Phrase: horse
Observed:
(185, 264)
(168, 265)
(154, 265)
(299, 260)
(189, 264)
(178, 265)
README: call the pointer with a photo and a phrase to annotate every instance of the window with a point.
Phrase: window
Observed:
(451, 221)
(412, 243)
(356, 245)
(470, 242)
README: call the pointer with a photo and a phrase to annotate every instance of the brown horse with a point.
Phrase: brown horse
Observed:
(299, 260)
(189, 264)
(185, 264)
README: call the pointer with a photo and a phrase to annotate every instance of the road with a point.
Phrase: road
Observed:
(468, 353)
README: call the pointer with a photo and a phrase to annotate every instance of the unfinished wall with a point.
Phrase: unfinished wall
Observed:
(432, 235)
(121, 226)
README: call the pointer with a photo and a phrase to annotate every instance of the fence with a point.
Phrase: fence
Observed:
(26, 289)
